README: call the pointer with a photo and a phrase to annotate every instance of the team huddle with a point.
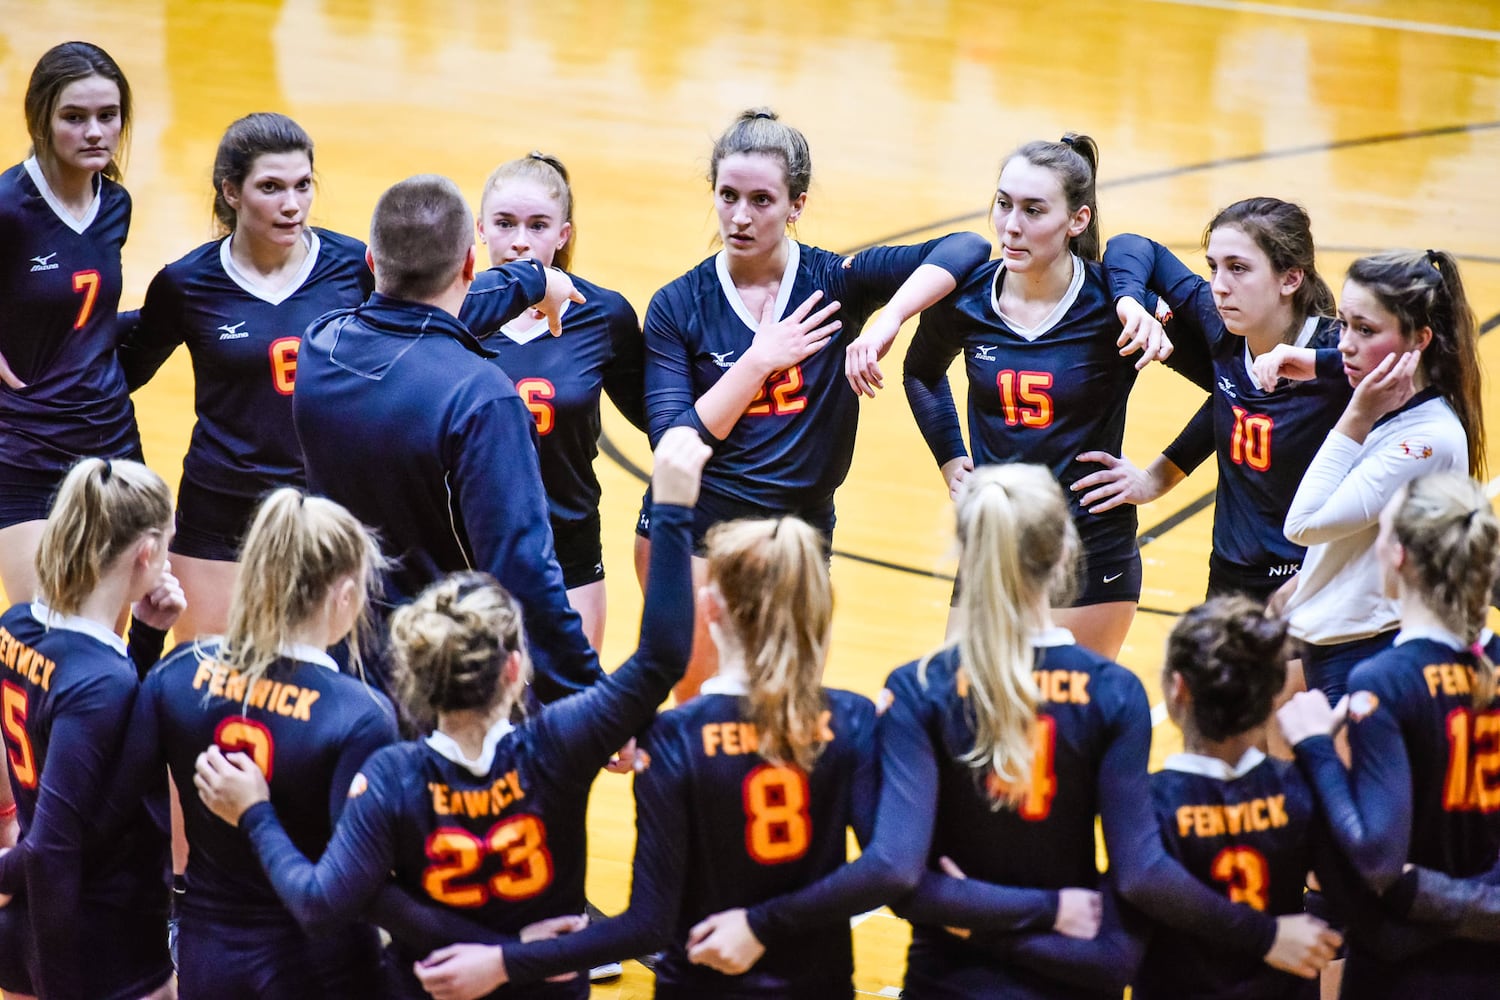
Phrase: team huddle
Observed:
(383, 570)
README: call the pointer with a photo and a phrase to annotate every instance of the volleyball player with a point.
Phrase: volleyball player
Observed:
(483, 816)
(1046, 362)
(1421, 725)
(1410, 348)
(63, 219)
(1265, 290)
(240, 304)
(269, 688)
(90, 915)
(744, 347)
(749, 793)
(526, 211)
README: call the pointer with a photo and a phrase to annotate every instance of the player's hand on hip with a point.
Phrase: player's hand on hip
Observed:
(1300, 364)
(862, 357)
(1141, 331)
(678, 470)
(462, 971)
(560, 291)
(724, 942)
(229, 784)
(1119, 482)
(161, 608)
(955, 471)
(778, 345)
(1303, 945)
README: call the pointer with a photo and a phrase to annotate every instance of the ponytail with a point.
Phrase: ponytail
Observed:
(450, 644)
(773, 577)
(102, 509)
(297, 549)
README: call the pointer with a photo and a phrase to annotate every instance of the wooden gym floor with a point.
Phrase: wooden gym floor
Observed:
(1378, 116)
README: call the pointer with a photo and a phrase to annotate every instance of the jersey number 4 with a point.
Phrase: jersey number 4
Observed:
(13, 717)
(1245, 872)
(1034, 802)
(520, 842)
(778, 828)
(1473, 780)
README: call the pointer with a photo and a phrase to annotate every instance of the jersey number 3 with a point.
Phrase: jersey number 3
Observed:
(1245, 872)
(777, 826)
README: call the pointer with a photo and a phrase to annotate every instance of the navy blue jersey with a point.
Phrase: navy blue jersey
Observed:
(502, 839)
(59, 292)
(793, 445)
(1264, 441)
(1045, 399)
(243, 342)
(721, 827)
(1422, 789)
(66, 688)
(1250, 833)
(1092, 740)
(306, 725)
(560, 379)
(403, 421)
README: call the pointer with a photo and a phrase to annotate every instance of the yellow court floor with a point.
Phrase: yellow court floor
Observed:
(1382, 117)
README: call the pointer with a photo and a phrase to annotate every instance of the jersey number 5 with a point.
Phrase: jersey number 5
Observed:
(520, 842)
(1245, 871)
(777, 826)
(1471, 784)
(13, 716)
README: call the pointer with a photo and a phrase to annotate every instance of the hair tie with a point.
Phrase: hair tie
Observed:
(1477, 649)
(765, 114)
(106, 472)
(1067, 140)
(1432, 258)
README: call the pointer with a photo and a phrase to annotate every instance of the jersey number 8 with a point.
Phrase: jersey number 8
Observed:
(777, 826)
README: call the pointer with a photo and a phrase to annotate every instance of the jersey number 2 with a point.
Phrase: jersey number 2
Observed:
(520, 842)
(13, 716)
(777, 826)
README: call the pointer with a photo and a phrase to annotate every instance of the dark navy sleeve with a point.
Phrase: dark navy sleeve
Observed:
(353, 867)
(924, 376)
(669, 371)
(88, 727)
(424, 927)
(145, 646)
(625, 374)
(147, 343)
(943, 901)
(373, 730)
(512, 538)
(661, 819)
(854, 887)
(142, 760)
(1469, 906)
(1147, 876)
(877, 272)
(577, 735)
(500, 294)
(1195, 442)
(1138, 267)
(1369, 806)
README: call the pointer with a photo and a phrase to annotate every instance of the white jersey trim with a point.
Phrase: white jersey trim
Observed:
(34, 170)
(783, 294)
(254, 288)
(1052, 318)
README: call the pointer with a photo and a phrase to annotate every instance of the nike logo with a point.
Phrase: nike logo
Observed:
(233, 332)
(44, 263)
(1112, 579)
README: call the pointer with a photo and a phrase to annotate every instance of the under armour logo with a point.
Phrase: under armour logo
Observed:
(985, 352)
(722, 360)
(233, 332)
(44, 263)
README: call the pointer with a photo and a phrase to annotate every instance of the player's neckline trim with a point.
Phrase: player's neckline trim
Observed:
(1213, 767)
(447, 747)
(783, 294)
(1075, 286)
(34, 171)
(253, 288)
(75, 623)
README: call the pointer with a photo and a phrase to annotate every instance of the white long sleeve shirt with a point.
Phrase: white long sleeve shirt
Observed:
(1340, 595)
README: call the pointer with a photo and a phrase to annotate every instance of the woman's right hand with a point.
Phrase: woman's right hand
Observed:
(678, 471)
(1141, 331)
(1303, 946)
(8, 376)
(560, 291)
(1300, 364)
(955, 471)
(1079, 913)
(229, 784)
(802, 333)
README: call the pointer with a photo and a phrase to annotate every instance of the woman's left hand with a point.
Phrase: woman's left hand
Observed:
(1140, 331)
(724, 942)
(862, 357)
(1308, 714)
(462, 971)
(229, 784)
(160, 608)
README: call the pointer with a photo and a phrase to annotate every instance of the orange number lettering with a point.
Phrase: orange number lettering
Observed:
(13, 716)
(1250, 443)
(777, 826)
(775, 398)
(284, 363)
(235, 732)
(1473, 762)
(1244, 870)
(1035, 800)
(1035, 409)
(520, 844)
(536, 392)
(86, 282)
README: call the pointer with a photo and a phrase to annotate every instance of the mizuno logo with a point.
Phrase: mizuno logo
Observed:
(722, 360)
(233, 332)
(1228, 387)
(44, 263)
(985, 352)
(1112, 579)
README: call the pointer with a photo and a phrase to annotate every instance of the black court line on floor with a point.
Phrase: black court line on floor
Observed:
(1151, 534)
